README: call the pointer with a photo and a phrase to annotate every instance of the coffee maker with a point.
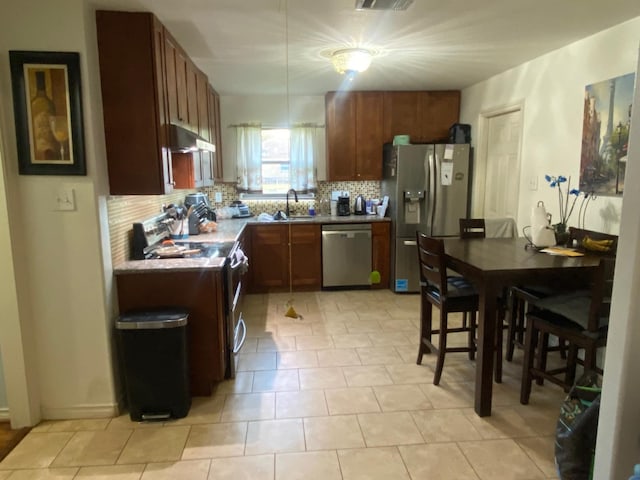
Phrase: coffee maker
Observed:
(343, 206)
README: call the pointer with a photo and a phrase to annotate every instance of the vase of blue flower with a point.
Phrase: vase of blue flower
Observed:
(566, 204)
(562, 233)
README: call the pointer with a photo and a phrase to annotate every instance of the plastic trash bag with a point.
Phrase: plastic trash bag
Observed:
(576, 429)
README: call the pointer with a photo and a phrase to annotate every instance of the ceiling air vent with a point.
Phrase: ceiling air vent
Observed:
(383, 4)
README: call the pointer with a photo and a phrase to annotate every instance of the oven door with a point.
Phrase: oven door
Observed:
(236, 327)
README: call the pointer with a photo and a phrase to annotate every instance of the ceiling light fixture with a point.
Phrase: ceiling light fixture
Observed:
(351, 61)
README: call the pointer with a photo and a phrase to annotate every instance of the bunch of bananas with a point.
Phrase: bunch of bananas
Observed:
(596, 245)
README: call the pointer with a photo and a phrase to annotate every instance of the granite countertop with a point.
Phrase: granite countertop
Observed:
(322, 219)
(228, 230)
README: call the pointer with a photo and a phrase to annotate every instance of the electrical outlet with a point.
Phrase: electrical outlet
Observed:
(218, 197)
(65, 199)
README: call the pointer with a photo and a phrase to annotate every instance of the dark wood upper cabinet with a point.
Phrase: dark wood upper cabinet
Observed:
(401, 115)
(354, 135)
(134, 98)
(438, 111)
(148, 82)
(424, 115)
(340, 111)
(360, 123)
(213, 103)
(369, 135)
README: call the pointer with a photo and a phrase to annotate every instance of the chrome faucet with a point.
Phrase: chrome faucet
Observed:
(295, 196)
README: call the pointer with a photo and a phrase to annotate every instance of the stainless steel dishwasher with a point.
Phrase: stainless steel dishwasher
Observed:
(346, 255)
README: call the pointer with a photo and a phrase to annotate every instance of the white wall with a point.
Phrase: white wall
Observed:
(552, 90)
(61, 309)
(619, 425)
(271, 111)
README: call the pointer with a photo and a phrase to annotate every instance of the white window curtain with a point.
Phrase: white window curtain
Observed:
(302, 157)
(249, 157)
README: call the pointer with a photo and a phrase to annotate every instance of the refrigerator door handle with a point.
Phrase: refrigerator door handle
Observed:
(432, 190)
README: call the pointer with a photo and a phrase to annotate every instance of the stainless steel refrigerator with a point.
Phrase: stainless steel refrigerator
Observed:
(428, 188)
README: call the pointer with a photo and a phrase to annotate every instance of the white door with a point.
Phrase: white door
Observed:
(502, 165)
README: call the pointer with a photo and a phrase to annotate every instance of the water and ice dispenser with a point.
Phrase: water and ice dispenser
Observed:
(412, 201)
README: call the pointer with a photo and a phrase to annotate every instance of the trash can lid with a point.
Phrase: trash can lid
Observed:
(152, 319)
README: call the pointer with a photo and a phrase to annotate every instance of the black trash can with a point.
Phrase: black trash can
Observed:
(153, 349)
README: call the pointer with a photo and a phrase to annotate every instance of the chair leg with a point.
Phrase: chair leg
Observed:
(531, 338)
(511, 332)
(543, 346)
(499, 341)
(442, 346)
(572, 361)
(473, 326)
(425, 328)
(464, 319)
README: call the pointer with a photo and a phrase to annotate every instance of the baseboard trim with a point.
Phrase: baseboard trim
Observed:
(107, 410)
(4, 414)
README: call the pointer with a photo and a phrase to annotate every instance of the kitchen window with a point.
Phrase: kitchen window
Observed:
(273, 160)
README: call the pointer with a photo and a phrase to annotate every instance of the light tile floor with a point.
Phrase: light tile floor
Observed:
(335, 394)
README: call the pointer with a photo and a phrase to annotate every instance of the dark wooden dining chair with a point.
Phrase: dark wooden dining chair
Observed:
(472, 228)
(580, 318)
(525, 297)
(451, 294)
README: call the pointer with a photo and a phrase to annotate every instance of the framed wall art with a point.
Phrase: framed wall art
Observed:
(48, 112)
(605, 135)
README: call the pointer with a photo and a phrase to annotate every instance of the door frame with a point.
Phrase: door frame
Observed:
(480, 165)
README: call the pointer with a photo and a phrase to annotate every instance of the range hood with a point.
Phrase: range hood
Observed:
(184, 141)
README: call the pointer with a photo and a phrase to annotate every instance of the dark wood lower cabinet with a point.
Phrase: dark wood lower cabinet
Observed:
(269, 259)
(201, 293)
(306, 258)
(269, 256)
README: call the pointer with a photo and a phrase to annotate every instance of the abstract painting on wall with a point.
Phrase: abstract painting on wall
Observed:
(605, 135)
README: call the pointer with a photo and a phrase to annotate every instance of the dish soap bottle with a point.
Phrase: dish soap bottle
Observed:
(636, 473)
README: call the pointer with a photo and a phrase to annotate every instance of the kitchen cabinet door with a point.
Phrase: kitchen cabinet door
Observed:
(202, 90)
(216, 131)
(306, 259)
(171, 79)
(192, 97)
(269, 259)
(401, 115)
(438, 111)
(340, 110)
(132, 77)
(181, 87)
(369, 135)
(380, 252)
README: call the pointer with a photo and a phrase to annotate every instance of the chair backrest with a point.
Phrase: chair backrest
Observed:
(432, 260)
(579, 234)
(472, 228)
(601, 293)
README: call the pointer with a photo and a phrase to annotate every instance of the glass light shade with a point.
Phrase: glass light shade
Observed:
(351, 60)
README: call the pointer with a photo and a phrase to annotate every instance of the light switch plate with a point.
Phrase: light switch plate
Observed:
(65, 199)
(533, 183)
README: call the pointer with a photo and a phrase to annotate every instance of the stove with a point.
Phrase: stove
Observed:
(151, 241)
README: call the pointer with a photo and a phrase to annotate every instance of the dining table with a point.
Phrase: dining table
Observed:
(493, 264)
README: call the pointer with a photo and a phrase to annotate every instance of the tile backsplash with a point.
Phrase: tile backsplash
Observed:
(124, 210)
(370, 189)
